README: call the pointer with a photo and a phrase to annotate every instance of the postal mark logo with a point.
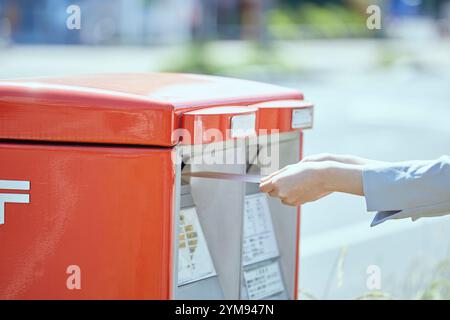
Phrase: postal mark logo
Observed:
(9, 193)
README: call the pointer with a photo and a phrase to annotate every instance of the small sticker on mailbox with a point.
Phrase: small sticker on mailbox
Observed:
(194, 260)
(243, 125)
(264, 281)
(259, 241)
(301, 118)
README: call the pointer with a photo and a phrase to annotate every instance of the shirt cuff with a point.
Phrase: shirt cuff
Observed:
(382, 216)
(374, 193)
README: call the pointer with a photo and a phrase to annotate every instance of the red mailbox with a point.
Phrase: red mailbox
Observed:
(93, 203)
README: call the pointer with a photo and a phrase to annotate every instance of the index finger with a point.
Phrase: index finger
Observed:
(266, 186)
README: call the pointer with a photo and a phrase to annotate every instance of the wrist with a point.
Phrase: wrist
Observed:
(330, 175)
(341, 177)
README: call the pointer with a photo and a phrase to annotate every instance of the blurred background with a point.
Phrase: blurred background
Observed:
(380, 94)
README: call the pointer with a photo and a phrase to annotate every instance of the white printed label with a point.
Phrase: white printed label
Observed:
(302, 118)
(243, 126)
(259, 237)
(194, 260)
(13, 185)
(264, 281)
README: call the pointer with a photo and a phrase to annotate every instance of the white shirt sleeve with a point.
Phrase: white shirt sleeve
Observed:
(412, 189)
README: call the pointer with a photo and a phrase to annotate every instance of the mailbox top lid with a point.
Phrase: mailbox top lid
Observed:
(138, 108)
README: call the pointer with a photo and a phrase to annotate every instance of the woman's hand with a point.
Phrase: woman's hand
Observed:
(312, 179)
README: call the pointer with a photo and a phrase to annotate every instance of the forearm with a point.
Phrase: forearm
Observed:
(341, 177)
(342, 158)
(350, 159)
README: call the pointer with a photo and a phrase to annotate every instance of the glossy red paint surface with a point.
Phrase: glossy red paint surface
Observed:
(141, 109)
(106, 210)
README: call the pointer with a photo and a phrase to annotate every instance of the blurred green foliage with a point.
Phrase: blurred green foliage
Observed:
(436, 287)
(250, 60)
(311, 20)
(295, 22)
(439, 287)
